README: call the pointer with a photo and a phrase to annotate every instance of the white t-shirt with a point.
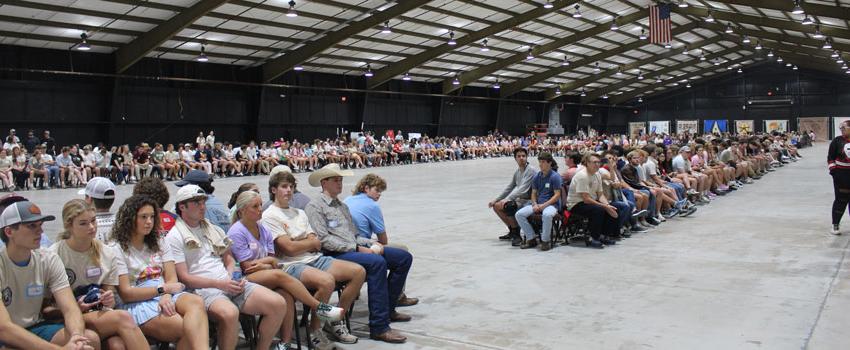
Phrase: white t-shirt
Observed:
(201, 261)
(80, 268)
(141, 265)
(105, 221)
(292, 222)
(24, 287)
(680, 164)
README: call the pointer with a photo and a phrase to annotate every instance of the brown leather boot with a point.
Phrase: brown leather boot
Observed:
(390, 336)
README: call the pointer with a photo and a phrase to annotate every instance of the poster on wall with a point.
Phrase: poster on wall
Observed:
(660, 127)
(780, 125)
(689, 126)
(714, 126)
(636, 129)
(820, 125)
(836, 122)
(743, 127)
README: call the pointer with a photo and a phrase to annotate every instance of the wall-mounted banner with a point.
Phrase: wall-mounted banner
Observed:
(689, 126)
(744, 127)
(820, 125)
(714, 126)
(636, 129)
(659, 127)
(780, 125)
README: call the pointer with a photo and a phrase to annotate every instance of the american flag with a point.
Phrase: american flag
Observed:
(659, 24)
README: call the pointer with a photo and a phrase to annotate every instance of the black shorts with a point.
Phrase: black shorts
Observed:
(511, 208)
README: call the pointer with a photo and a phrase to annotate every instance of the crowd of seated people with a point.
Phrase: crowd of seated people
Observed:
(121, 280)
(623, 186)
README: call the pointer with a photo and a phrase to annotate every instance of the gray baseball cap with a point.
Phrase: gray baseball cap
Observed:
(23, 212)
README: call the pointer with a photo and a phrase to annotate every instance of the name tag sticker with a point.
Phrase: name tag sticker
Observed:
(333, 223)
(252, 246)
(93, 271)
(546, 185)
(35, 290)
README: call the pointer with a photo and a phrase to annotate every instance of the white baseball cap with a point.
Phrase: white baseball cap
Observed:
(97, 188)
(189, 192)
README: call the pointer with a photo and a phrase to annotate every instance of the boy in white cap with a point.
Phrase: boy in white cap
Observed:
(201, 253)
(100, 192)
(26, 275)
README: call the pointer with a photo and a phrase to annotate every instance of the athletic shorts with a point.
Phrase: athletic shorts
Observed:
(46, 330)
(210, 295)
(322, 263)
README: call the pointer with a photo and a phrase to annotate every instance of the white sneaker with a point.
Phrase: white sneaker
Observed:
(329, 313)
(340, 333)
(320, 341)
(281, 346)
(835, 230)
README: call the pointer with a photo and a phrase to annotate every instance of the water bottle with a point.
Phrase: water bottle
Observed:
(237, 276)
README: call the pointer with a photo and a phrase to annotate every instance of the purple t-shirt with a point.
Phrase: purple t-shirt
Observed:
(245, 247)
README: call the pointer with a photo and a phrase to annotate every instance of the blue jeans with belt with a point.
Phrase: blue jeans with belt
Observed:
(624, 212)
(547, 214)
(384, 289)
(53, 175)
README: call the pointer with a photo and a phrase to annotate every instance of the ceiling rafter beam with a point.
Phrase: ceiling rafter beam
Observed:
(637, 92)
(131, 53)
(523, 83)
(385, 74)
(736, 17)
(277, 66)
(758, 34)
(788, 5)
(596, 93)
(478, 73)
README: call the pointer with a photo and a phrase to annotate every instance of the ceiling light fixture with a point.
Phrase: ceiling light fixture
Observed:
(758, 46)
(797, 8)
(557, 90)
(530, 55)
(817, 34)
(298, 68)
(368, 73)
(795, 67)
(566, 61)
(291, 12)
(688, 86)
(605, 96)
(709, 18)
(770, 53)
(484, 46)
(668, 46)
(640, 75)
(746, 39)
(496, 85)
(406, 77)
(596, 68)
(788, 64)
(834, 54)
(827, 45)
(619, 72)
(548, 4)
(386, 29)
(729, 28)
(84, 44)
(808, 21)
(740, 70)
(683, 4)
(452, 41)
(640, 99)
(577, 14)
(456, 80)
(779, 59)
(614, 25)
(642, 34)
(583, 93)
(202, 57)
(839, 60)
(658, 80)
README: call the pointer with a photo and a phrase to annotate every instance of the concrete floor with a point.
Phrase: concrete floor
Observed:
(753, 270)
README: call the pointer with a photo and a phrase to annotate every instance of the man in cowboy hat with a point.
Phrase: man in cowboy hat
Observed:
(331, 220)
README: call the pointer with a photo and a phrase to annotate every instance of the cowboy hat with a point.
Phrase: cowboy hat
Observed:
(330, 170)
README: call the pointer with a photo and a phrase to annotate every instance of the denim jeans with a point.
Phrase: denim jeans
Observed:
(53, 175)
(624, 212)
(651, 207)
(384, 289)
(528, 231)
(680, 189)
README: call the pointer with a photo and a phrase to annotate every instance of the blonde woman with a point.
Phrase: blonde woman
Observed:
(253, 248)
(148, 287)
(89, 264)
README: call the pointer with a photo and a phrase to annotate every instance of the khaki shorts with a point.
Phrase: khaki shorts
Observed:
(210, 295)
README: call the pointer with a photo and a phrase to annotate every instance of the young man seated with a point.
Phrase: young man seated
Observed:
(514, 196)
(201, 253)
(545, 200)
(27, 273)
(586, 198)
(331, 219)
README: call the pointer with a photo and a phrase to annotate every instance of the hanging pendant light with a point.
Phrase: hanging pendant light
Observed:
(291, 12)
(84, 44)
(202, 57)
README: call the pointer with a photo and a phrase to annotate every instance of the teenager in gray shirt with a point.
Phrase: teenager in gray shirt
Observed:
(514, 196)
